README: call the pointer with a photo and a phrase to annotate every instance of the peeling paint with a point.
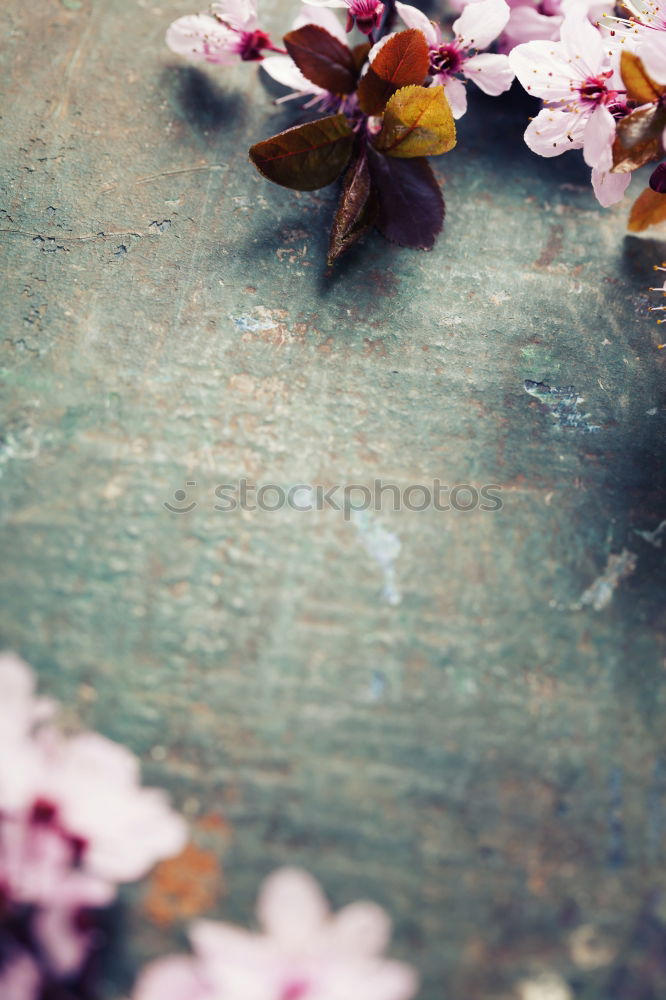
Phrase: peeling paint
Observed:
(384, 547)
(653, 537)
(562, 402)
(599, 594)
(250, 324)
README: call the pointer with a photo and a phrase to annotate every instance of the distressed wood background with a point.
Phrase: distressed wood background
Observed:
(443, 728)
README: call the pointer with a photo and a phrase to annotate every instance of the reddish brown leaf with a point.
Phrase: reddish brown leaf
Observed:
(322, 58)
(357, 209)
(403, 59)
(307, 156)
(411, 207)
(649, 209)
(360, 54)
(373, 92)
(641, 88)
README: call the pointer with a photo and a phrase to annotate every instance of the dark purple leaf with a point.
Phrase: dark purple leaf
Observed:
(411, 207)
(357, 209)
(307, 156)
(658, 179)
(322, 58)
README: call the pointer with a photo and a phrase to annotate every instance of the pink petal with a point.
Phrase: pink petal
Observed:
(598, 139)
(456, 94)
(202, 37)
(20, 979)
(361, 929)
(652, 51)
(609, 188)
(217, 942)
(57, 934)
(555, 132)
(583, 44)
(324, 17)
(291, 906)
(480, 23)
(526, 24)
(239, 14)
(414, 18)
(370, 980)
(285, 71)
(327, 3)
(544, 70)
(172, 977)
(491, 73)
(126, 828)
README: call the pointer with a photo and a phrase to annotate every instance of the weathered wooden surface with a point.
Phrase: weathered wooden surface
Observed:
(482, 758)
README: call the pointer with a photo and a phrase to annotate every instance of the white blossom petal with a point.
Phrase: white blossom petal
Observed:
(598, 139)
(284, 70)
(415, 18)
(653, 53)
(324, 18)
(609, 188)
(239, 14)
(491, 73)
(545, 71)
(202, 37)
(583, 44)
(480, 23)
(327, 3)
(456, 94)
(554, 132)
(291, 905)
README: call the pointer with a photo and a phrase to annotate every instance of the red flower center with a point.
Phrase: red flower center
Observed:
(593, 90)
(251, 44)
(366, 13)
(446, 59)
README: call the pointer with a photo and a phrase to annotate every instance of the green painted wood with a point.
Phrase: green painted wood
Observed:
(486, 757)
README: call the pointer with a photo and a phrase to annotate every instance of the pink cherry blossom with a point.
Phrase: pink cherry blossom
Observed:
(229, 32)
(303, 953)
(365, 14)
(461, 56)
(74, 821)
(579, 82)
(85, 787)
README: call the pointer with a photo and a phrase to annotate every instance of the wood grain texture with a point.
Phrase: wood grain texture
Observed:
(481, 758)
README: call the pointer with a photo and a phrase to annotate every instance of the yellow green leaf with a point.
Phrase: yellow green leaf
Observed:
(417, 122)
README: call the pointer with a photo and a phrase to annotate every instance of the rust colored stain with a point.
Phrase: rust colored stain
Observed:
(552, 249)
(183, 887)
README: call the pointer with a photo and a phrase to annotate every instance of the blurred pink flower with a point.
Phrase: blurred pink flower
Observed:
(20, 978)
(74, 821)
(477, 27)
(84, 789)
(229, 32)
(303, 953)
